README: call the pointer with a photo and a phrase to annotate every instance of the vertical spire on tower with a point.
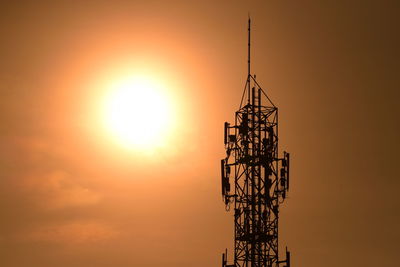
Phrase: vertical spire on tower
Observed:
(248, 52)
(248, 63)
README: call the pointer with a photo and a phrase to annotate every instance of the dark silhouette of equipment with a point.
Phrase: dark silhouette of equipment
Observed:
(260, 178)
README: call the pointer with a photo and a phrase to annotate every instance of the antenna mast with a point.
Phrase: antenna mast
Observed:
(248, 63)
(260, 177)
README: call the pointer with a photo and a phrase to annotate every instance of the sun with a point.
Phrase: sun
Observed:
(138, 112)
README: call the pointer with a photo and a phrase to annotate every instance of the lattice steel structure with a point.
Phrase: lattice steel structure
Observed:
(261, 178)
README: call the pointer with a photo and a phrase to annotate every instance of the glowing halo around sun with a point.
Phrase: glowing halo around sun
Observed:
(138, 113)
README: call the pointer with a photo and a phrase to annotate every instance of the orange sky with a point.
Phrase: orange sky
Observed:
(72, 196)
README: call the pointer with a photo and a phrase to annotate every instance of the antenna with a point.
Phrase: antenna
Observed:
(260, 178)
(248, 52)
(248, 62)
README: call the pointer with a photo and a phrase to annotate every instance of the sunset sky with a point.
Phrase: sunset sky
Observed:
(77, 190)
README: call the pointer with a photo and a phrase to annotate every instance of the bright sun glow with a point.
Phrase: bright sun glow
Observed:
(138, 113)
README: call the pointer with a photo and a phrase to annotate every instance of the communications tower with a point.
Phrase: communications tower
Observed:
(259, 175)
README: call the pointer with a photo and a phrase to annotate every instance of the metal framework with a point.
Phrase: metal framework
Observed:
(261, 178)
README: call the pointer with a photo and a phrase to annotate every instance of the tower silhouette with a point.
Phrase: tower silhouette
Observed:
(260, 178)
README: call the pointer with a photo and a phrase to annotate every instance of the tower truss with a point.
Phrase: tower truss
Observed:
(260, 177)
